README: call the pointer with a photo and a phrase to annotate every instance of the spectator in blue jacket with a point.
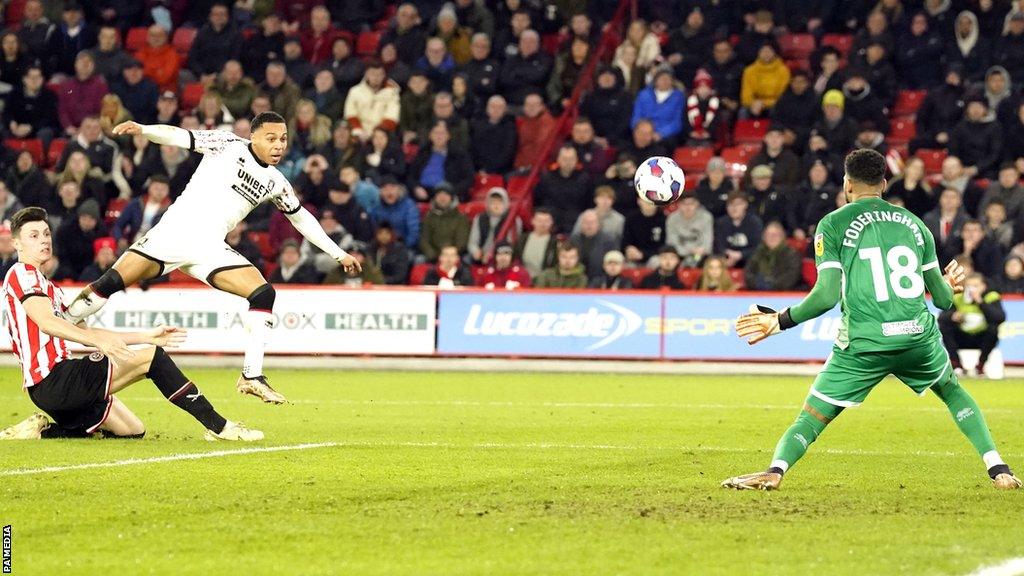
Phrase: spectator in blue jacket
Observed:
(438, 65)
(143, 212)
(397, 209)
(663, 104)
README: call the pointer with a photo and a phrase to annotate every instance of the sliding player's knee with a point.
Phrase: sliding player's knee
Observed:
(108, 284)
(263, 298)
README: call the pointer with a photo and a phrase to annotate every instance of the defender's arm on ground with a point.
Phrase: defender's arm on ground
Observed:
(156, 133)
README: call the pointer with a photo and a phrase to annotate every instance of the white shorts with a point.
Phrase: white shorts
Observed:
(199, 258)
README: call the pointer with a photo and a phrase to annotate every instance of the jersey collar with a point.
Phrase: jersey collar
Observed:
(257, 158)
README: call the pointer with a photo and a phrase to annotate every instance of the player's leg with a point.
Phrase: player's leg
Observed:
(132, 267)
(246, 281)
(122, 422)
(928, 367)
(153, 362)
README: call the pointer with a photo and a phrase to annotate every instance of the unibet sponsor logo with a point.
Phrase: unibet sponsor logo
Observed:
(608, 325)
(368, 322)
(151, 318)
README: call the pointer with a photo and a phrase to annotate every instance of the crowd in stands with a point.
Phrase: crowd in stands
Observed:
(414, 127)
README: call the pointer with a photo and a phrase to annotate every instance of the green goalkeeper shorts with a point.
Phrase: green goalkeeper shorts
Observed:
(848, 377)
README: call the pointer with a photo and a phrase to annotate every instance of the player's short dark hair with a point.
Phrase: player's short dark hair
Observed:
(24, 216)
(865, 166)
(266, 118)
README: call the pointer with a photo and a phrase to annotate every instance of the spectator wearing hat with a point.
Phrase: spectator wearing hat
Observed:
(796, 111)
(689, 230)
(449, 271)
(609, 107)
(8, 255)
(999, 94)
(1009, 49)
(538, 249)
(160, 61)
(439, 160)
(143, 212)
(138, 93)
(666, 275)
(264, 47)
(292, 267)
(533, 128)
(31, 110)
(593, 243)
(702, 111)
(941, 109)
(494, 138)
(976, 141)
(774, 265)
(663, 105)
(566, 273)
(416, 107)
(920, 51)
(861, 103)
(483, 232)
(443, 225)
(737, 232)
(109, 57)
(784, 164)
(167, 109)
(1006, 189)
(763, 82)
(611, 277)
(236, 90)
(216, 42)
(398, 210)
(105, 249)
(373, 102)
(969, 48)
(504, 273)
(836, 129)
(643, 234)
(565, 189)
(80, 95)
(714, 188)
(73, 241)
(72, 36)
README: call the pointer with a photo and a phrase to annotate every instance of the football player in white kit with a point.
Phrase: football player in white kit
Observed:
(234, 177)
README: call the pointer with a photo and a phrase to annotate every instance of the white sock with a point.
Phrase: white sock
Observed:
(991, 459)
(257, 322)
(780, 464)
(83, 307)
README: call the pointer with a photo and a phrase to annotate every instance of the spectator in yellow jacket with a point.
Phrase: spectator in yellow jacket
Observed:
(763, 82)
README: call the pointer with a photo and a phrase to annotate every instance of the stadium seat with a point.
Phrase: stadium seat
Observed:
(692, 180)
(478, 271)
(390, 8)
(738, 156)
(472, 208)
(901, 131)
(410, 149)
(689, 277)
(424, 207)
(798, 244)
(750, 131)
(53, 155)
(367, 43)
(190, 96)
(33, 146)
(841, 42)
(136, 39)
(518, 187)
(418, 273)
(691, 158)
(932, 158)
(809, 272)
(636, 275)
(907, 102)
(799, 64)
(738, 277)
(183, 38)
(550, 43)
(269, 268)
(14, 13)
(262, 241)
(484, 182)
(797, 46)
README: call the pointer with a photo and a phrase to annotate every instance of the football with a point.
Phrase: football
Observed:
(659, 180)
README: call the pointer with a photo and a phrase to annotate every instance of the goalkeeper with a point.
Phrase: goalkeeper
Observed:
(877, 260)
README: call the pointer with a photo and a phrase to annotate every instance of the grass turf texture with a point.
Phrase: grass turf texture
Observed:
(441, 473)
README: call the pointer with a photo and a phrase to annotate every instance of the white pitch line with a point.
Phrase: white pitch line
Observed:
(157, 459)
(1011, 567)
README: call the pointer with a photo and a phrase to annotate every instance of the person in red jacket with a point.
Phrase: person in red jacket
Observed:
(80, 95)
(504, 274)
(318, 40)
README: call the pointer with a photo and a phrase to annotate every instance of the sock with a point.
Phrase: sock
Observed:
(810, 423)
(56, 431)
(87, 303)
(182, 392)
(258, 320)
(968, 418)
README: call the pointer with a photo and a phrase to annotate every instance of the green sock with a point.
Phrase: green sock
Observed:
(969, 419)
(811, 422)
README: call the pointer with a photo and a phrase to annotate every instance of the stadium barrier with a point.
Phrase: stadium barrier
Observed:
(406, 321)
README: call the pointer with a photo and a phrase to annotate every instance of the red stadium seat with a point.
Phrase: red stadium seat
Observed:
(809, 272)
(471, 209)
(478, 271)
(692, 159)
(799, 64)
(190, 96)
(692, 180)
(367, 43)
(33, 146)
(907, 102)
(269, 268)
(689, 277)
(738, 154)
(410, 150)
(484, 182)
(262, 241)
(418, 273)
(636, 275)
(932, 158)
(550, 43)
(424, 207)
(797, 46)
(901, 131)
(841, 42)
(53, 155)
(750, 131)
(136, 39)
(14, 13)
(798, 244)
(390, 8)
(517, 187)
(738, 277)
(183, 38)
(114, 209)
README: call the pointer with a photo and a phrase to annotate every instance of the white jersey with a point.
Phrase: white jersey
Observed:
(229, 183)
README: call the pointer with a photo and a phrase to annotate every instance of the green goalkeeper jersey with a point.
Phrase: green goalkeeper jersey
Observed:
(883, 252)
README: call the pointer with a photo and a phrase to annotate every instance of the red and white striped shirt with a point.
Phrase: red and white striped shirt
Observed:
(37, 351)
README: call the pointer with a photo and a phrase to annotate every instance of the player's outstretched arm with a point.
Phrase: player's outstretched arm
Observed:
(763, 322)
(310, 228)
(39, 310)
(156, 133)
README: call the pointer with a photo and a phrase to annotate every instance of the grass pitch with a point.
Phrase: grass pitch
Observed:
(456, 473)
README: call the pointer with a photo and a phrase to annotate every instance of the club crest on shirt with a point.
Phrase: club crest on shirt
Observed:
(96, 356)
(819, 244)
